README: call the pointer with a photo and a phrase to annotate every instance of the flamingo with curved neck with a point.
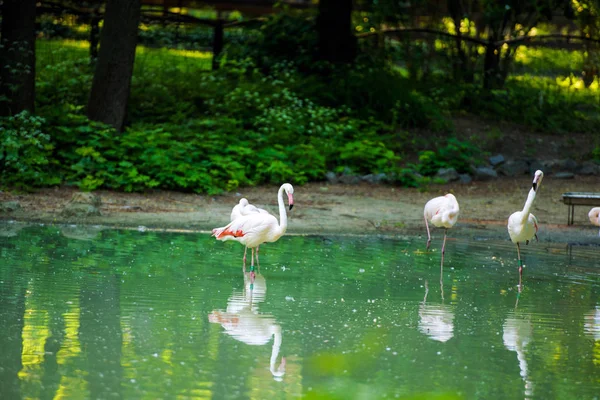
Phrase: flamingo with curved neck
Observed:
(442, 212)
(256, 228)
(522, 225)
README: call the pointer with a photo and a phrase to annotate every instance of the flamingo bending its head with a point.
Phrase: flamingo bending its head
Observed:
(442, 212)
(256, 228)
(245, 208)
(522, 225)
(594, 216)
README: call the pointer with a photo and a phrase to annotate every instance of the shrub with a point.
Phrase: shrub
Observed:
(460, 155)
(24, 151)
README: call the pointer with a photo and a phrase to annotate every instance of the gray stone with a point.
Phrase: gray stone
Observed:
(374, 178)
(565, 165)
(349, 179)
(9, 206)
(535, 165)
(331, 177)
(85, 198)
(447, 174)
(514, 168)
(588, 168)
(496, 160)
(465, 178)
(80, 210)
(563, 175)
(484, 173)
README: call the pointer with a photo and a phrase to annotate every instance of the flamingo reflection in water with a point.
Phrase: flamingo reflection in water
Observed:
(517, 333)
(243, 321)
(591, 326)
(436, 320)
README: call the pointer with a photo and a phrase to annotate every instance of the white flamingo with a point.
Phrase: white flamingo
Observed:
(594, 216)
(256, 228)
(442, 212)
(522, 225)
(243, 322)
(242, 209)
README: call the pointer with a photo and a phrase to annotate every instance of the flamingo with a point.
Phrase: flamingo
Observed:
(595, 216)
(256, 228)
(245, 208)
(443, 212)
(522, 225)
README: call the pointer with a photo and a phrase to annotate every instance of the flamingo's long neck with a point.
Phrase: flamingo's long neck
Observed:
(528, 204)
(282, 213)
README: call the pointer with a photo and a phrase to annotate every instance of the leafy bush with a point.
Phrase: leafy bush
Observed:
(24, 151)
(460, 155)
(540, 104)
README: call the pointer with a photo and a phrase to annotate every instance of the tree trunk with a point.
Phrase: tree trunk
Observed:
(112, 78)
(17, 69)
(337, 42)
(492, 74)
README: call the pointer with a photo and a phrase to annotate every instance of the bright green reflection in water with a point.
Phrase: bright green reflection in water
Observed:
(91, 313)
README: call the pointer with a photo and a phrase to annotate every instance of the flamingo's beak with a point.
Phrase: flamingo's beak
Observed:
(535, 182)
(290, 200)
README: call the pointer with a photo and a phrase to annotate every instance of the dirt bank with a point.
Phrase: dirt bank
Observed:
(333, 209)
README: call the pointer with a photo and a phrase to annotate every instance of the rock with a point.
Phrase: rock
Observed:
(349, 179)
(496, 160)
(465, 178)
(535, 165)
(331, 177)
(588, 168)
(567, 165)
(9, 206)
(514, 168)
(447, 174)
(484, 173)
(374, 178)
(80, 210)
(85, 198)
(564, 175)
(82, 204)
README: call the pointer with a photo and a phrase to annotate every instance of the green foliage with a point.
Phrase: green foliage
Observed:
(460, 155)
(540, 104)
(284, 36)
(24, 151)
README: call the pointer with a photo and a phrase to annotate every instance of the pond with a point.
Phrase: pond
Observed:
(88, 312)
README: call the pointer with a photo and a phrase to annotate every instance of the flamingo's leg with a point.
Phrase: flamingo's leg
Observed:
(244, 265)
(442, 264)
(257, 262)
(520, 267)
(252, 274)
(428, 234)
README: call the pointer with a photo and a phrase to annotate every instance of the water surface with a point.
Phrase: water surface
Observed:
(87, 312)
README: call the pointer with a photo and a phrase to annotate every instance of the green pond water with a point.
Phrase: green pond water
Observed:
(92, 313)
